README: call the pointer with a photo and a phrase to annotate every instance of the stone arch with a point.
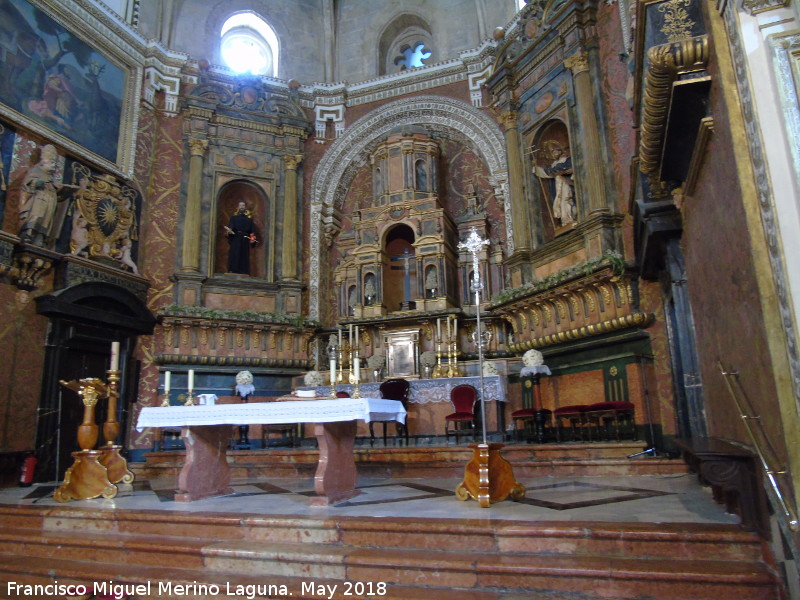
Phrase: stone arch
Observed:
(338, 167)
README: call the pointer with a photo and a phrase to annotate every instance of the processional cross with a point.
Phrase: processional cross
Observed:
(474, 244)
(488, 477)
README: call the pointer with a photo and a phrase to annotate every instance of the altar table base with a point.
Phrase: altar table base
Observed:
(335, 479)
(206, 473)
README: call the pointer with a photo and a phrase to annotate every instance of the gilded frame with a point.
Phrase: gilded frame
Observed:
(99, 55)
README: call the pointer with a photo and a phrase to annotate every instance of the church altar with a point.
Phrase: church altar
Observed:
(206, 432)
(424, 391)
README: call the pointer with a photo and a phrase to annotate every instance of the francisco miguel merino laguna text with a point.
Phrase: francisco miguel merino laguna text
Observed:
(122, 590)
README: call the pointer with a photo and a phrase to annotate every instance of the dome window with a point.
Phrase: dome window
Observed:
(249, 45)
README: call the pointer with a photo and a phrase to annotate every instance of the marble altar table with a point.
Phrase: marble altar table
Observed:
(206, 432)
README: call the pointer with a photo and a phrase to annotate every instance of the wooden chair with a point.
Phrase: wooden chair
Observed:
(287, 431)
(575, 417)
(535, 421)
(617, 414)
(393, 389)
(463, 398)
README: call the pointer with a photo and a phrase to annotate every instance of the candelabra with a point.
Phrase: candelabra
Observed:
(333, 352)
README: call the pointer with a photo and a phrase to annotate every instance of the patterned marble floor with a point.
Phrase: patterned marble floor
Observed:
(659, 499)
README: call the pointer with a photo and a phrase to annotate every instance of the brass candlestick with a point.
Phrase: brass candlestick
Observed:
(165, 399)
(189, 398)
(116, 465)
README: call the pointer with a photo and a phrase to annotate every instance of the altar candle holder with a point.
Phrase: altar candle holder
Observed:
(437, 372)
(189, 398)
(111, 426)
(332, 352)
(165, 399)
(356, 373)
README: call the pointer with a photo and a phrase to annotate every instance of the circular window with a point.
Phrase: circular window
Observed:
(249, 45)
(245, 52)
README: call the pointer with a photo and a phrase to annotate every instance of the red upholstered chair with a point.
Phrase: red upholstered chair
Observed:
(463, 398)
(575, 417)
(616, 414)
(342, 395)
(393, 389)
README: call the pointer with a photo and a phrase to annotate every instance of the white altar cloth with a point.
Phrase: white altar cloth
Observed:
(274, 413)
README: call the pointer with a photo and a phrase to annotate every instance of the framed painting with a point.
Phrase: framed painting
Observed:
(63, 78)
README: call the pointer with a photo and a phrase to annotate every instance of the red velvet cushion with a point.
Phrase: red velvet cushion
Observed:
(577, 408)
(460, 416)
(618, 405)
(527, 412)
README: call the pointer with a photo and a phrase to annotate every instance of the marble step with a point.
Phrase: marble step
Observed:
(419, 556)
(624, 577)
(585, 459)
(164, 582)
(663, 540)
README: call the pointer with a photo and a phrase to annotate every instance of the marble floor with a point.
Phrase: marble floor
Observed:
(654, 499)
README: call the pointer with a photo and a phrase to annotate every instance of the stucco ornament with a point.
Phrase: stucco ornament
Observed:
(313, 379)
(532, 358)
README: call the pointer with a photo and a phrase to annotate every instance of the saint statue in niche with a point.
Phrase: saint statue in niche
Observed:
(241, 236)
(552, 165)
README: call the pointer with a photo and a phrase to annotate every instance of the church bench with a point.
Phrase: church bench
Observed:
(734, 476)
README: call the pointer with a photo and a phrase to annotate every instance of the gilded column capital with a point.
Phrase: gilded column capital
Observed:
(197, 147)
(292, 161)
(578, 62)
(508, 119)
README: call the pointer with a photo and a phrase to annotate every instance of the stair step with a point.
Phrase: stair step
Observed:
(228, 562)
(666, 540)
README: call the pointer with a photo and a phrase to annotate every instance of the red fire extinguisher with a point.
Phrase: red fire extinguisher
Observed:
(27, 471)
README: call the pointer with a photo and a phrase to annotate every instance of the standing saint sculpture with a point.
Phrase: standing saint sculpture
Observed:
(241, 236)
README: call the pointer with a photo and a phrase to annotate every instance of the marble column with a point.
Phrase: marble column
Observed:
(290, 236)
(191, 220)
(519, 211)
(595, 182)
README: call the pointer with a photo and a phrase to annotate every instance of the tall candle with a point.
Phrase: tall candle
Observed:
(448, 328)
(351, 335)
(191, 380)
(167, 377)
(439, 329)
(114, 356)
(333, 371)
(340, 338)
(357, 372)
(455, 327)
(356, 338)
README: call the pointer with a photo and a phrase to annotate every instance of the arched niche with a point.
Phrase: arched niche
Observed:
(552, 170)
(257, 204)
(399, 270)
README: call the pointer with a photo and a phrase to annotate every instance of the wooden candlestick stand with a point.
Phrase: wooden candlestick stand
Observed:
(87, 477)
(488, 477)
(112, 460)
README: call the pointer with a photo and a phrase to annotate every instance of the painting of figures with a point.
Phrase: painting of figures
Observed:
(55, 79)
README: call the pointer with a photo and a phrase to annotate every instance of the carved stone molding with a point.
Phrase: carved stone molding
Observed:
(29, 269)
(667, 62)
